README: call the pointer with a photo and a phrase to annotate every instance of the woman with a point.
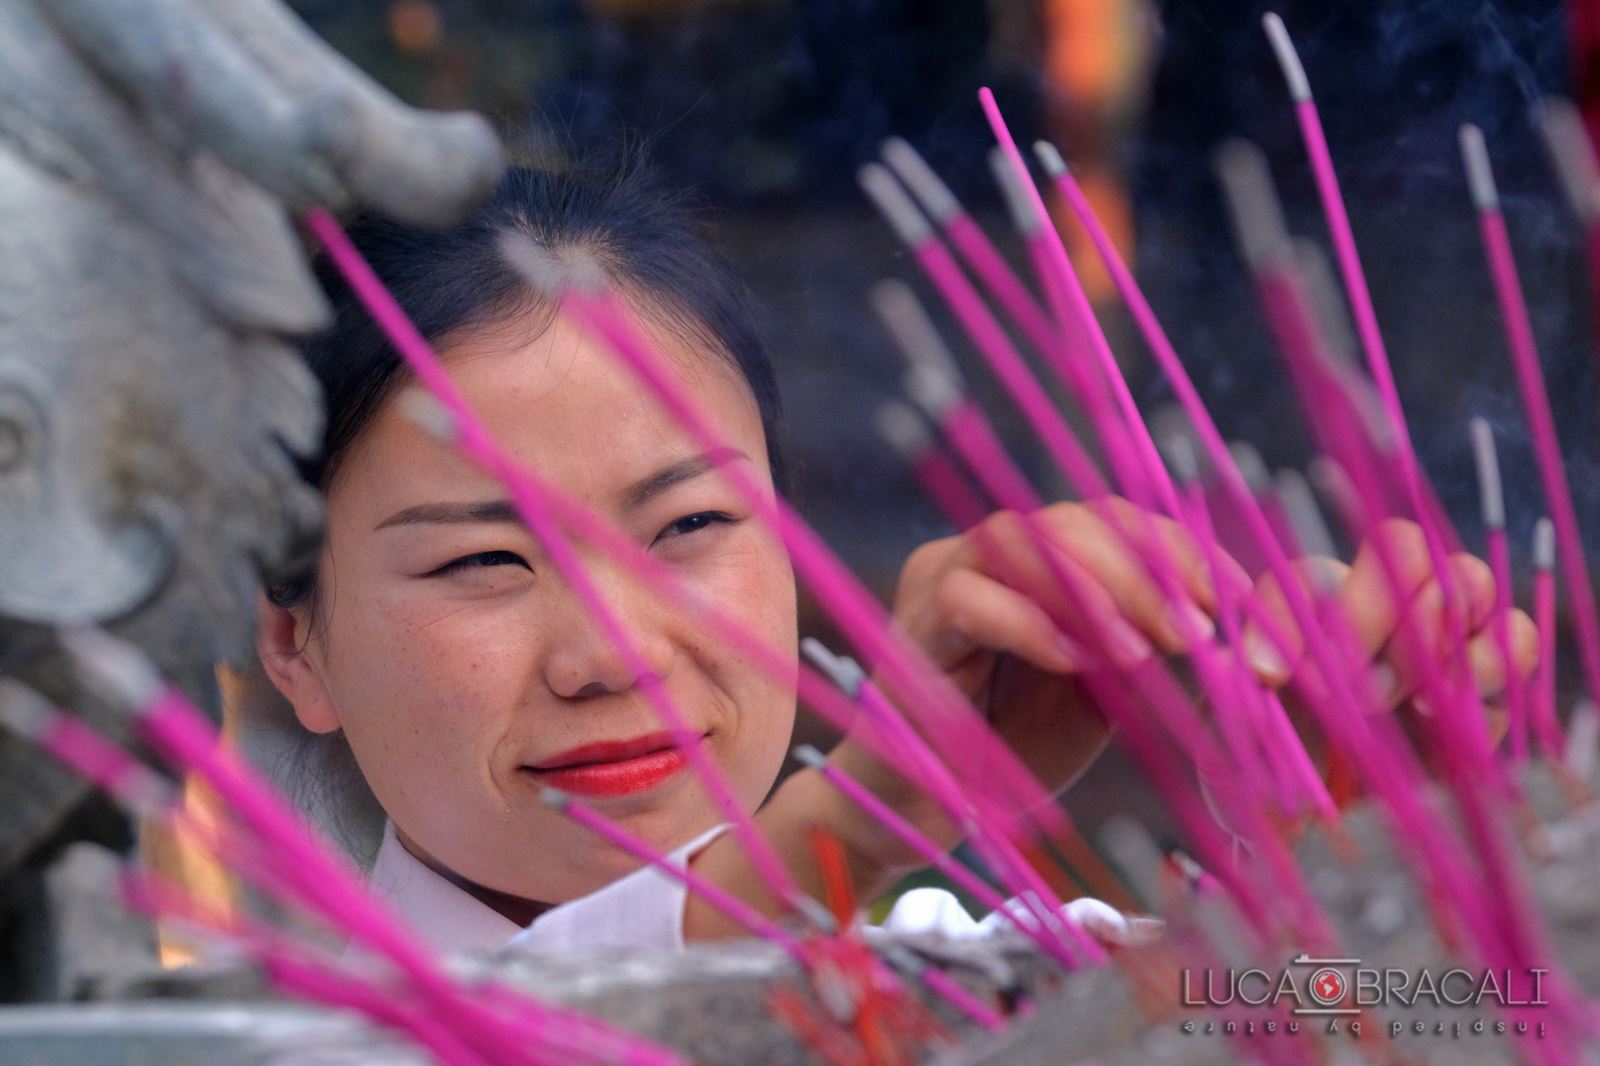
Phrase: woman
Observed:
(436, 640)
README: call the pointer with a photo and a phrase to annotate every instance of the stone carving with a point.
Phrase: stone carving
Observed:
(152, 155)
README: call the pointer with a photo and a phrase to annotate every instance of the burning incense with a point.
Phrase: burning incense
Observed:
(1535, 402)
(1493, 505)
(1310, 525)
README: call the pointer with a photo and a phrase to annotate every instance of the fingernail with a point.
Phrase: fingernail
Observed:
(1188, 622)
(1125, 644)
(1069, 653)
(1264, 658)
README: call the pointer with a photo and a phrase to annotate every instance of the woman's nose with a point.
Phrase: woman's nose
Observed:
(583, 659)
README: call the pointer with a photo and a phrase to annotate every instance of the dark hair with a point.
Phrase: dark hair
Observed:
(647, 243)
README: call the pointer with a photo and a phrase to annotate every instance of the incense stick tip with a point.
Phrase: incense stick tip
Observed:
(1491, 497)
(923, 181)
(1305, 515)
(810, 756)
(1049, 157)
(115, 670)
(1251, 466)
(1019, 205)
(548, 271)
(1182, 459)
(22, 710)
(1253, 206)
(1294, 72)
(1572, 153)
(891, 199)
(1480, 175)
(423, 408)
(845, 673)
(556, 798)
(900, 425)
(913, 331)
(1544, 544)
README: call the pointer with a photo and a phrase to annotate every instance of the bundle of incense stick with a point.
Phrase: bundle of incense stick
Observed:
(1220, 747)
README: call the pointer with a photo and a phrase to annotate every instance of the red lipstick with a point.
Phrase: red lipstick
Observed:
(613, 767)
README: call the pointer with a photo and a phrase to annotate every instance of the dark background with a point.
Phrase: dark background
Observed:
(767, 109)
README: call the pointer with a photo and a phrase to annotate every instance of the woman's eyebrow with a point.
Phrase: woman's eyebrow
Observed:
(452, 513)
(641, 492)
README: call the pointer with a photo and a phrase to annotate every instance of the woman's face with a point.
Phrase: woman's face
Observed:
(464, 668)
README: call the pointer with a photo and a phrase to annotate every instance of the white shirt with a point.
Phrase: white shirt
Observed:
(645, 909)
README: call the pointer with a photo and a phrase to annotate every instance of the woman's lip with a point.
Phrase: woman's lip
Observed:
(617, 777)
(607, 751)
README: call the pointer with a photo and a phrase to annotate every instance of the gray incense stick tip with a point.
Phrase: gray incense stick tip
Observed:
(891, 198)
(423, 408)
(1294, 72)
(1583, 737)
(1334, 485)
(1019, 205)
(1480, 175)
(556, 798)
(924, 183)
(116, 671)
(549, 272)
(1304, 513)
(842, 670)
(1491, 497)
(1572, 153)
(1251, 466)
(900, 425)
(1049, 157)
(913, 331)
(1544, 544)
(1253, 206)
(815, 913)
(810, 756)
(1182, 459)
(932, 389)
(22, 710)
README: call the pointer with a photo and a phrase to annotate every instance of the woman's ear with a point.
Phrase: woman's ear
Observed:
(281, 641)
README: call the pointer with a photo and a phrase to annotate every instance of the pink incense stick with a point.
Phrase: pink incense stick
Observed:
(944, 483)
(424, 363)
(1078, 314)
(1535, 403)
(972, 243)
(736, 909)
(1349, 261)
(180, 732)
(1493, 504)
(943, 713)
(1547, 729)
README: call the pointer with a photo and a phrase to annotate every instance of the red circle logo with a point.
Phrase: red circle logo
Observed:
(1327, 986)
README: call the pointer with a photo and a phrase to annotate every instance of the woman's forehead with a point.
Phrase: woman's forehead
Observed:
(560, 402)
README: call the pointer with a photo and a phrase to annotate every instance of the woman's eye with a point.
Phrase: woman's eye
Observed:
(693, 522)
(481, 560)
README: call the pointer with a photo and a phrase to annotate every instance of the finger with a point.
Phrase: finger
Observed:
(1434, 620)
(1114, 560)
(976, 612)
(1372, 599)
(1146, 532)
(1487, 661)
(1272, 621)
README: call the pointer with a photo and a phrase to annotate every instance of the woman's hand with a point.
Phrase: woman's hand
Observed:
(991, 610)
(1396, 623)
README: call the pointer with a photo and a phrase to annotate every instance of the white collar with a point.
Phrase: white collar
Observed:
(443, 915)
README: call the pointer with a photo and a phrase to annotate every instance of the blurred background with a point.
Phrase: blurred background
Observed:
(767, 107)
